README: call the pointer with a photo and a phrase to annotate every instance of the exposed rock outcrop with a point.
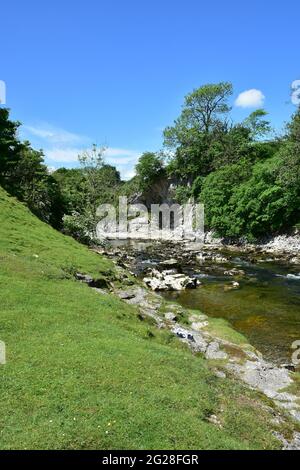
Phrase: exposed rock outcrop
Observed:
(169, 280)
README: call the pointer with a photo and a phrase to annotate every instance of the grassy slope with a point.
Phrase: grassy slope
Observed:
(83, 372)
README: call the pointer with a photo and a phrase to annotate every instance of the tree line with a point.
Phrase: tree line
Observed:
(66, 198)
(247, 178)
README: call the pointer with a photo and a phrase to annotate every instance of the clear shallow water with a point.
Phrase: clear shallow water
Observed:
(266, 307)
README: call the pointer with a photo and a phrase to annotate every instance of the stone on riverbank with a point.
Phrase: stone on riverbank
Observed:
(166, 280)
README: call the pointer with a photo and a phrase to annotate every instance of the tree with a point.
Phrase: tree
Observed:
(257, 197)
(92, 162)
(258, 126)
(202, 111)
(9, 144)
(84, 189)
(293, 128)
(148, 169)
(202, 120)
(24, 175)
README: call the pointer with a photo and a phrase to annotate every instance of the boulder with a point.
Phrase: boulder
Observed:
(198, 326)
(166, 281)
(265, 377)
(170, 316)
(234, 272)
(169, 263)
(84, 278)
(213, 351)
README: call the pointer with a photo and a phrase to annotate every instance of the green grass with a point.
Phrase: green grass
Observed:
(83, 372)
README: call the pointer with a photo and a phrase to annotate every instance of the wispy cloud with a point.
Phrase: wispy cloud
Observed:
(119, 156)
(63, 155)
(114, 156)
(62, 147)
(127, 174)
(250, 99)
(54, 135)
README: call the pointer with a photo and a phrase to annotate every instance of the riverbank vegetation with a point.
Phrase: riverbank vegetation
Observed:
(84, 372)
(247, 177)
(83, 369)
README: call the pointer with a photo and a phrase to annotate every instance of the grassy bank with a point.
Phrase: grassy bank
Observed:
(84, 372)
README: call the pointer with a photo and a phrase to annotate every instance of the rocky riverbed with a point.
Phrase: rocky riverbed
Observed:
(241, 360)
(231, 355)
(257, 292)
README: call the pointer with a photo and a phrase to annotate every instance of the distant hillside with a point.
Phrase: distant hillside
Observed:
(83, 372)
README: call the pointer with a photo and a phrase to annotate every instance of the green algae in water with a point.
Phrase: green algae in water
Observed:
(266, 307)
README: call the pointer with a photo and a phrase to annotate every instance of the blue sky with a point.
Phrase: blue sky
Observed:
(115, 72)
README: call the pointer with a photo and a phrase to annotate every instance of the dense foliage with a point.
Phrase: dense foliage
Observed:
(84, 189)
(250, 185)
(23, 174)
(259, 198)
(248, 180)
(148, 170)
(67, 198)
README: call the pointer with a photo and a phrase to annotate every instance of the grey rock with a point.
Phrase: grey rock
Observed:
(220, 374)
(265, 377)
(198, 326)
(234, 272)
(170, 316)
(200, 344)
(126, 295)
(84, 278)
(169, 262)
(197, 317)
(294, 444)
(213, 351)
(213, 419)
(159, 281)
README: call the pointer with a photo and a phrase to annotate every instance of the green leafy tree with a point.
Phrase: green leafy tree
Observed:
(9, 145)
(260, 198)
(84, 189)
(202, 119)
(148, 169)
(258, 126)
(23, 174)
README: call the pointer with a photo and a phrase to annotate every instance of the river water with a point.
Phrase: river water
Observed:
(265, 308)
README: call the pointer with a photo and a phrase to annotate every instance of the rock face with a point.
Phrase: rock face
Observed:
(264, 377)
(169, 280)
(213, 351)
(283, 243)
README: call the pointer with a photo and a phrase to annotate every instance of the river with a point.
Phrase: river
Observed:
(265, 307)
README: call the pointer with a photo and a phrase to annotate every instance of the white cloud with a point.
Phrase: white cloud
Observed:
(114, 156)
(117, 156)
(53, 135)
(51, 169)
(250, 99)
(63, 155)
(128, 174)
(62, 147)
